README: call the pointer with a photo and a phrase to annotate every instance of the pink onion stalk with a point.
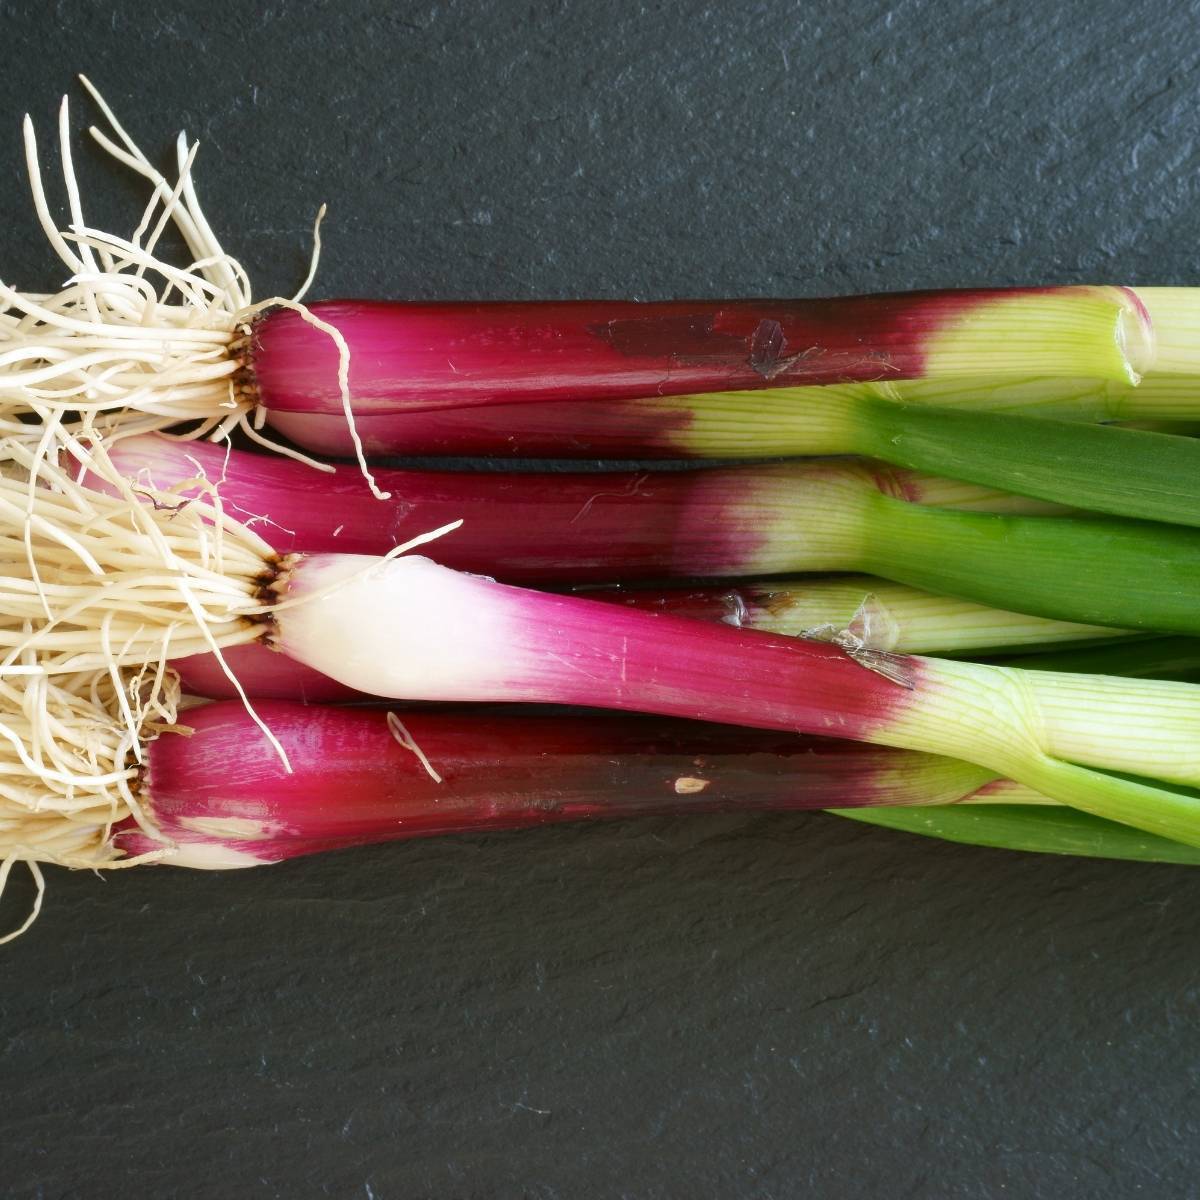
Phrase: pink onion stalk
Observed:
(360, 775)
(668, 423)
(134, 341)
(580, 527)
(430, 356)
(820, 515)
(855, 608)
(745, 423)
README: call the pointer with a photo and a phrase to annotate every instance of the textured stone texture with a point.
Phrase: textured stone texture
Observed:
(736, 1007)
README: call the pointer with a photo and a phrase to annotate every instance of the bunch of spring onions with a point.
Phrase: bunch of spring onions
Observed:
(955, 594)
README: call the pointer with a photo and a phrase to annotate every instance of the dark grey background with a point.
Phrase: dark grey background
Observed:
(726, 1006)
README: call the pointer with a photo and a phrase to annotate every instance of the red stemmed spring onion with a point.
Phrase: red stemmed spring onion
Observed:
(854, 609)
(545, 526)
(132, 580)
(263, 673)
(662, 421)
(101, 774)
(793, 421)
(222, 798)
(429, 356)
(823, 515)
(200, 348)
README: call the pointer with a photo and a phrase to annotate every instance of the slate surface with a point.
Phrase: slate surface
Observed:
(722, 1007)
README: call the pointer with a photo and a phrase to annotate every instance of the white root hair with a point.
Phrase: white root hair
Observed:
(68, 775)
(98, 589)
(131, 342)
(92, 579)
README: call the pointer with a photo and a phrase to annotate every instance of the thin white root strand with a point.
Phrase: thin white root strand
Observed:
(400, 732)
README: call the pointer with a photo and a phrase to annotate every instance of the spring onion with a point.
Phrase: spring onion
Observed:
(428, 356)
(219, 797)
(362, 775)
(207, 789)
(552, 527)
(740, 424)
(853, 610)
(816, 515)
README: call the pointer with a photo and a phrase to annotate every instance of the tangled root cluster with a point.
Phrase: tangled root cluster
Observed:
(97, 591)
